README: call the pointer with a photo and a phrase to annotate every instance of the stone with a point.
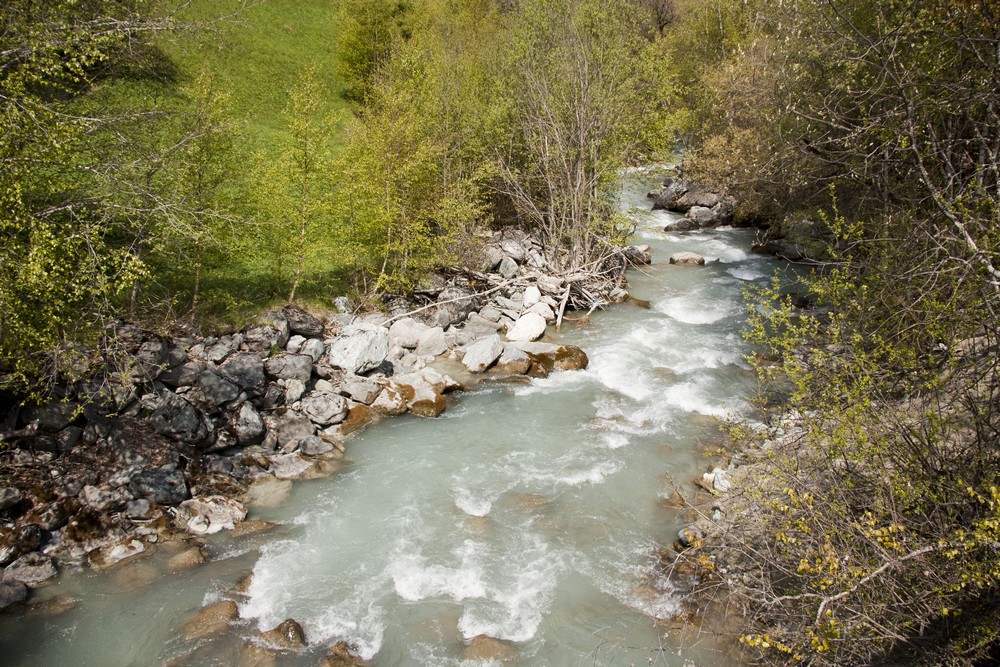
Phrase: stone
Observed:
(406, 332)
(116, 553)
(685, 225)
(324, 409)
(532, 296)
(184, 375)
(689, 536)
(295, 344)
(288, 636)
(151, 357)
(514, 250)
(9, 496)
(550, 285)
(103, 499)
(31, 569)
(253, 655)
(53, 416)
(686, 258)
(513, 360)
(291, 426)
(248, 426)
(422, 393)
(545, 310)
(314, 348)
(536, 259)
(359, 348)
(302, 323)
(360, 389)
(164, 486)
(701, 215)
(264, 339)
(295, 389)
(454, 305)
(176, 418)
(211, 620)
(252, 527)
(550, 357)
(528, 327)
(697, 197)
(290, 367)
(12, 592)
(246, 371)
(507, 268)
(206, 515)
(288, 466)
(216, 390)
(137, 509)
(222, 349)
(669, 195)
(639, 254)
(342, 304)
(488, 650)
(390, 402)
(314, 446)
(268, 491)
(343, 654)
(480, 355)
(492, 256)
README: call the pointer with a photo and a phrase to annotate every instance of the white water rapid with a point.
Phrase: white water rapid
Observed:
(530, 514)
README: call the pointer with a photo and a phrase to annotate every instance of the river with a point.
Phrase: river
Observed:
(529, 513)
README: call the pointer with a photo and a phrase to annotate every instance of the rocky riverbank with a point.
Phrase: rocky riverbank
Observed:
(176, 442)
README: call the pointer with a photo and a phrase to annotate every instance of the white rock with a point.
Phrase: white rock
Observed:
(543, 309)
(483, 353)
(530, 326)
(314, 348)
(407, 332)
(324, 409)
(532, 295)
(295, 344)
(288, 466)
(206, 515)
(294, 390)
(687, 258)
(360, 348)
(432, 343)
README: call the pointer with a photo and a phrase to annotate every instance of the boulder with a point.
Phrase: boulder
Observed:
(19, 542)
(288, 466)
(687, 259)
(210, 620)
(247, 425)
(360, 389)
(163, 487)
(295, 344)
(52, 416)
(9, 496)
(482, 649)
(246, 371)
(697, 196)
(176, 418)
(423, 396)
(529, 327)
(314, 348)
(324, 409)
(264, 339)
(294, 391)
(689, 536)
(492, 256)
(702, 216)
(216, 390)
(302, 323)
(360, 348)
(290, 427)
(287, 636)
(550, 285)
(31, 569)
(390, 402)
(513, 360)
(12, 592)
(639, 254)
(532, 296)
(513, 249)
(358, 417)
(206, 515)
(184, 375)
(314, 446)
(289, 367)
(432, 343)
(685, 225)
(185, 560)
(547, 357)
(671, 192)
(343, 654)
(480, 355)
(507, 268)
(221, 349)
(103, 499)
(454, 305)
(151, 357)
(545, 310)
(406, 332)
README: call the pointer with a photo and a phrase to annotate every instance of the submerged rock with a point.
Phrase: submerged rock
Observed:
(288, 635)
(211, 620)
(12, 592)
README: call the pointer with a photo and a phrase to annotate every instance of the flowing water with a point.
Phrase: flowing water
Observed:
(527, 513)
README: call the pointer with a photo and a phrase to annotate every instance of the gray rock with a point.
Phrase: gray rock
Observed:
(342, 304)
(223, 348)
(536, 260)
(689, 536)
(295, 344)
(103, 499)
(325, 409)
(313, 348)
(184, 375)
(507, 268)
(671, 192)
(248, 427)
(246, 371)
(639, 254)
(9, 496)
(687, 259)
(701, 215)
(152, 357)
(302, 323)
(290, 366)
(360, 389)
(532, 295)
(176, 356)
(12, 592)
(685, 225)
(314, 446)
(288, 466)
(697, 196)
(31, 569)
(206, 515)
(294, 391)
(406, 332)
(545, 310)
(163, 487)
(550, 285)
(174, 417)
(514, 250)
(490, 314)
(289, 427)
(513, 360)
(138, 509)
(482, 354)
(454, 305)
(360, 348)
(53, 416)
(529, 327)
(492, 256)
(21, 541)
(432, 343)
(217, 390)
